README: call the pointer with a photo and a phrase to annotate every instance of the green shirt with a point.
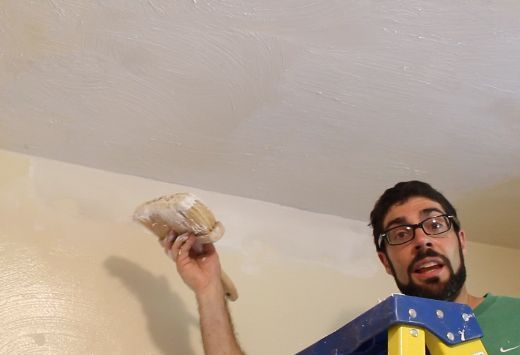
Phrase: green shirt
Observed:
(499, 318)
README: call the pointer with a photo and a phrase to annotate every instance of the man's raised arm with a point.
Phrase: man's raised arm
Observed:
(202, 273)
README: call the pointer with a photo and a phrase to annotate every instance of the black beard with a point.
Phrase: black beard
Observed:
(447, 291)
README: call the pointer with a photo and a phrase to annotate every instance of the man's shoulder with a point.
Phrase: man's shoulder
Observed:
(503, 299)
(497, 304)
(498, 317)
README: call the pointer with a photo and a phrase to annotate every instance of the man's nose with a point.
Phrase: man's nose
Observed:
(421, 239)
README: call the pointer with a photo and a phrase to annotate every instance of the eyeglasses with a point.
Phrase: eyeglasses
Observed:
(406, 232)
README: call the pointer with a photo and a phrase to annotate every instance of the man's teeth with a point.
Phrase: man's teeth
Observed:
(430, 264)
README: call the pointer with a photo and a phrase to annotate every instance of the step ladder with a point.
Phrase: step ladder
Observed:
(406, 325)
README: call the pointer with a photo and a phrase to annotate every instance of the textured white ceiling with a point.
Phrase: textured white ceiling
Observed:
(315, 104)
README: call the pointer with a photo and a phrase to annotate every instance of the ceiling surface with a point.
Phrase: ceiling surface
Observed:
(319, 105)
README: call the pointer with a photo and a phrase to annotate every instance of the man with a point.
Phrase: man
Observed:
(420, 243)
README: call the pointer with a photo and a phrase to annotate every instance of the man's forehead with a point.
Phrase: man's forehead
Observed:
(410, 208)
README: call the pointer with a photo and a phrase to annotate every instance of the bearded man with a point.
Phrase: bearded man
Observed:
(420, 242)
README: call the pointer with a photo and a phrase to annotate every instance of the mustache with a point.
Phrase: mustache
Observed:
(424, 254)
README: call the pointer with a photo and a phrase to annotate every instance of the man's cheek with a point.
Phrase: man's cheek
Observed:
(402, 275)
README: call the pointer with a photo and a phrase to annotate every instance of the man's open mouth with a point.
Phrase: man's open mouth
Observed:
(428, 266)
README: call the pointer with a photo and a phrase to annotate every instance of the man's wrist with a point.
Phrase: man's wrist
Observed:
(211, 293)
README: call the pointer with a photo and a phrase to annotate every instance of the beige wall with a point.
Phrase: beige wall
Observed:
(78, 276)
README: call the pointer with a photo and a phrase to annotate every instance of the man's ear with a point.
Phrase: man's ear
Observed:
(385, 262)
(462, 240)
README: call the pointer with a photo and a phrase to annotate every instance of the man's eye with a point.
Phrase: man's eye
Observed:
(400, 234)
(437, 224)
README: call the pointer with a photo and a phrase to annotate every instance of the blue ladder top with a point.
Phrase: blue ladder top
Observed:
(451, 322)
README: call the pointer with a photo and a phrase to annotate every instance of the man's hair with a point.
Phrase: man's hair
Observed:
(400, 193)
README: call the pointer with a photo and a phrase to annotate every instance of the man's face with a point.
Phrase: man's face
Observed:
(426, 266)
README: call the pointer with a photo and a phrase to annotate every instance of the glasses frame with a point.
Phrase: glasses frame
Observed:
(383, 236)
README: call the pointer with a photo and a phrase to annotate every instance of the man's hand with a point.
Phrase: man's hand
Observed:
(199, 269)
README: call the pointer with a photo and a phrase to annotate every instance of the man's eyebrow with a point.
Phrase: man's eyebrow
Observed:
(398, 221)
(401, 220)
(428, 211)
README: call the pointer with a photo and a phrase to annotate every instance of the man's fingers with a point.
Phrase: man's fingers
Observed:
(167, 242)
(181, 245)
(177, 246)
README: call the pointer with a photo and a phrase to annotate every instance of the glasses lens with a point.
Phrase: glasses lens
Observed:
(436, 225)
(399, 235)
